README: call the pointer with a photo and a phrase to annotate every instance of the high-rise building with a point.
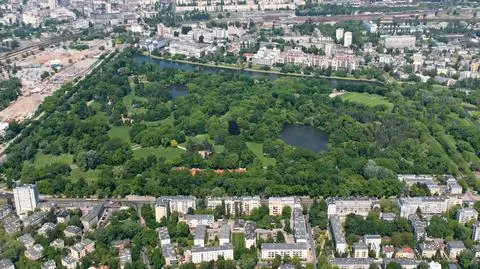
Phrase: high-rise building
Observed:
(476, 232)
(328, 49)
(26, 198)
(339, 33)
(52, 4)
(347, 39)
(108, 7)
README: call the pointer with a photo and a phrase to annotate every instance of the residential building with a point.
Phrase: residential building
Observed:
(169, 254)
(195, 220)
(434, 265)
(205, 254)
(388, 251)
(180, 204)
(429, 249)
(162, 209)
(49, 265)
(72, 231)
(57, 243)
(339, 33)
(271, 250)
(373, 241)
(370, 26)
(47, 226)
(405, 253)
(250, 235)
(35, 219)
(5, 210)
(26, 199)
(234, 206)
(476, 250)
(11, 224)
(90, 220)
(63, 216)
(405, 263)
(426, 205)
(352, 263)
(81, 249)
(476, 232)
(299, 226)
(399, 42)
(200, 235)
(351, 205)
(347, 39)
(121, 244)
(454, 188)
(6, 264)
(27, 240)
(337, 235)
(454, 248)
(276, 204)
(164, 236)
(69, 263)
(34, 252)
(125, 257)
(224, 234)
(465, 215)
(360, 250)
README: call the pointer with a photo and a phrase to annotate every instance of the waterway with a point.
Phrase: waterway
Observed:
(305, 136)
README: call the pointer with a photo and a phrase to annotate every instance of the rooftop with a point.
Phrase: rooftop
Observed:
(276, 246)
(216, 248)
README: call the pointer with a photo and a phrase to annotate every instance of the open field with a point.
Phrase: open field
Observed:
(367, 99)
(257, 149)
(48, 159)
(167, 153)
(128, 100)
(121, 132)
(89, 175)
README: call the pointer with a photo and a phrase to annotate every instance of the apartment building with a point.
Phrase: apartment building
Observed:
(299, 226)
(351, 205)
(427, 205)
(195, 220)
(81, 249)
(125, 256)
(399, 42)
(420, 179)
(454, 248)
(360, 250)
(337, 235)
(26, 199)
(162, 209)
(205, 254)
(352, 263)
(69, 263)
(200, 236)
(167, 204)
(224, 234)
(169, 253)
(476, 232)
(373, 241)
(271, 250)
(276, 204)
(250, 235)
(465, 215)
(235, 206)
(92, 218)
(164, 236)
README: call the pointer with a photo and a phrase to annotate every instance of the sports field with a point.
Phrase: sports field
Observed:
(371, 100)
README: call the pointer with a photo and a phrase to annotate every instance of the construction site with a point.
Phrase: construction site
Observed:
(46, 70)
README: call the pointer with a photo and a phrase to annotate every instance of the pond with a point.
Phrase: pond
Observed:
(305, 136)
(190, 67)
(178, 91)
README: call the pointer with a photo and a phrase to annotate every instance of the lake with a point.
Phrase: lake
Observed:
(305, 136)
(190, 67)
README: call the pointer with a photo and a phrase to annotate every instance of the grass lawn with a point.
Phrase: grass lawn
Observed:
(201, 137)
(121, 132)
(89, 175)
(169, 153)
(257, 149)
(367, 99)
(127, 102)
(48, 159)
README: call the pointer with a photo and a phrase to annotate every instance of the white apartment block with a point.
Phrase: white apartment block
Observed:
(276, 204)
(235, 206)
(360, 250)
(81, 249)
(206, 254)
(476, 232)
(196, 220)
(374, 242)
(351, 263)
(351, 205)
(164, 236)
(167, 204)
(271, 250)
(250, 235)
(347, 39)
(370, 26)
(337, 235)
(399, 42)
(465, 215)
(224, 234)
(26, 199)
(200, 235)
(339, 33)
(427, 205)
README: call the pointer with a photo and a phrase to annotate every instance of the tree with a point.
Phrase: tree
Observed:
(373, 266)
(200, 39)
(233, 128)
(280, 237)
(393, 265)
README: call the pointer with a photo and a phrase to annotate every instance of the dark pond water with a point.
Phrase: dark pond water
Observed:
(178, 91)
(142, 59)
(305, 136)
